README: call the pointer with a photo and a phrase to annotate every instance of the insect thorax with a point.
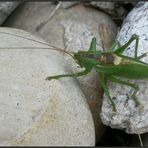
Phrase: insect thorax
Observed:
(107, 59)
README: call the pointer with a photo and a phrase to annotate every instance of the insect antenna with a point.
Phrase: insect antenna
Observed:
(51, 47)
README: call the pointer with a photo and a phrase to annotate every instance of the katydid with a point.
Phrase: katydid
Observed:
(110, 64)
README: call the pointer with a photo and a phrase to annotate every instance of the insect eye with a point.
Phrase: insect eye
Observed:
(80, 64)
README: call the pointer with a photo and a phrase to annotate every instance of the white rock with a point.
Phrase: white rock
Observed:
(130, 118)
(35, 111)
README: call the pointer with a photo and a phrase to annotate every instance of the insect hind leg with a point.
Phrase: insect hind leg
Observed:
(115, 44)
(142, 56)
(134, 86)
(121, 49)
(136, 46)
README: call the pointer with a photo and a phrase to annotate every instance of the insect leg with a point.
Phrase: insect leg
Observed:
(93, 44)
(86, 71)
(102, 83)
(143, 55)
(135, 86)
(136, 47)
(116, 43)
(122, 48)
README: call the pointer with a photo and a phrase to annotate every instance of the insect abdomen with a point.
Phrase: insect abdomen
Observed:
(135, 71)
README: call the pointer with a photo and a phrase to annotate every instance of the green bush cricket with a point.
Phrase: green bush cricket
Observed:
(110, 64)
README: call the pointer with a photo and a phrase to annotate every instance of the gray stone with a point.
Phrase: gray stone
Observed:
(129, 117)
(68, 4)
(6, 9)
(73, 29)
(34, 111)
(117, 10)
(106, 6)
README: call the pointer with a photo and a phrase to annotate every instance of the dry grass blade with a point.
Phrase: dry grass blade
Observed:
(41, 25)
(141, 143)
(104, 34)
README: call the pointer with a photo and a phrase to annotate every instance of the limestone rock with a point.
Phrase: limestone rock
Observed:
(35, 111)
(129, 117)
